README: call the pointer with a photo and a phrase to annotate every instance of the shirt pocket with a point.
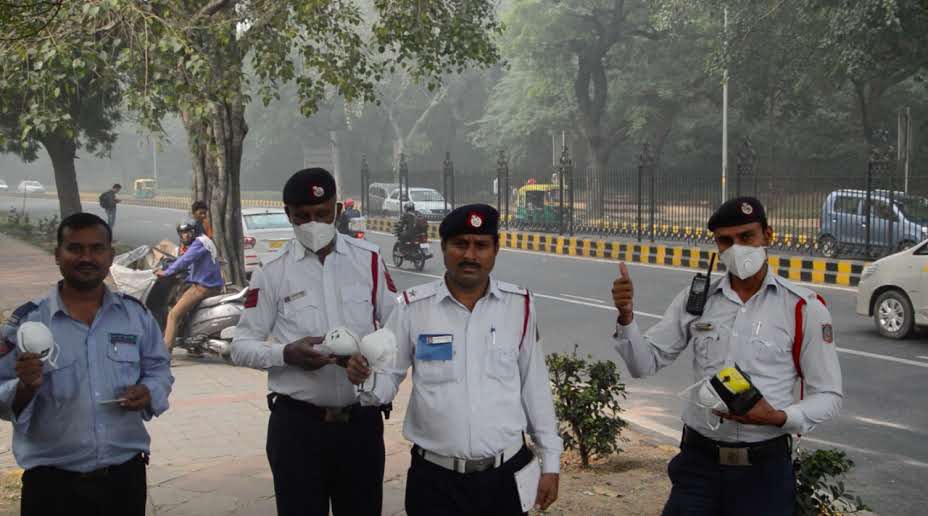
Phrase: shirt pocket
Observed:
(303, 312)
(434, 366)
(501, 362)
(63, 379)
(772, 347)
(706, 347)
(124, 360)
(356, 306)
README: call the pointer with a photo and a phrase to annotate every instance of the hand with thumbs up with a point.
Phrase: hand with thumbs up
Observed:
(623, 293)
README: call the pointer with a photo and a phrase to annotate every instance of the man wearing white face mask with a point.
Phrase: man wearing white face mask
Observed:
(323, 447)
(778, 333)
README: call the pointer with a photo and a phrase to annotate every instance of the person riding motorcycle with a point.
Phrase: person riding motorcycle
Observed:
(344, 220)
(204, 274)
(406, 228)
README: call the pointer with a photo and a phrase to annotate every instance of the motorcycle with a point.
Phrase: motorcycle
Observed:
(416, 250)
(208, 328)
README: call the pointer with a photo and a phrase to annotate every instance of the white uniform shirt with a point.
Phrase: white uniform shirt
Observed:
(491, 383)
(758, 337)
(294, 296)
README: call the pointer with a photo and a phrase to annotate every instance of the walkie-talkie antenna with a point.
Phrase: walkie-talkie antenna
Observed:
(711, 264)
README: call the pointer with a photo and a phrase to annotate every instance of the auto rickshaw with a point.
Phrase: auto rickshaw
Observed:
(538, 205)
(145, 188)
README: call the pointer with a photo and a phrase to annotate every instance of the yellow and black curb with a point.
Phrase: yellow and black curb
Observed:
(796, 268)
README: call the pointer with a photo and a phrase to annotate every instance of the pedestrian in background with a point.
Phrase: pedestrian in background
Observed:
(108, 202)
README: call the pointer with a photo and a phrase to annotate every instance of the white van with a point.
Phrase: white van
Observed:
(894, 291)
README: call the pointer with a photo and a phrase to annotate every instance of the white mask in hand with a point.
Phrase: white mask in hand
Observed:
(35, 337)
(340, 342)
(744, 261)
(314, 235)
(380, 349)
(703, 394)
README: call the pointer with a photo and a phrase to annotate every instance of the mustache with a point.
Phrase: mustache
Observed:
(469, 264)
(87, 266)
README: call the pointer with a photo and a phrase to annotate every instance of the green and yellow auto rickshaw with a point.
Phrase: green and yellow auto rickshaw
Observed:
(145, 188)
(538, 205)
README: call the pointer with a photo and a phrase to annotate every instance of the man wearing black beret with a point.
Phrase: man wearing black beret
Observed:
(479, 382)
(323, 447)
(776, 332)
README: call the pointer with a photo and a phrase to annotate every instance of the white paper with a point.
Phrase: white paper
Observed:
(527, 480)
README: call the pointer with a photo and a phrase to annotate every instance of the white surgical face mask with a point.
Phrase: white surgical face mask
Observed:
(314, 235)
(744, 261)
(703, 395)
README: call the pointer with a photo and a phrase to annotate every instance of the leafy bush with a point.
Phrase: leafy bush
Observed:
(820, 489)
(586, 401)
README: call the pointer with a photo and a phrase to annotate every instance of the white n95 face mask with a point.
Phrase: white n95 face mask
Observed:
(314, 235)
(35, 337)
(340, 342)
(744, 261)
(703, 395)
(380, 349)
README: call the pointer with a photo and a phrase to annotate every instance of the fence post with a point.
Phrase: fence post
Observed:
(404, 181)
(448, 181)
(646, 168)
(502, 186)
(745, 166)
(565, 183)
(880, 164)
(365, 186)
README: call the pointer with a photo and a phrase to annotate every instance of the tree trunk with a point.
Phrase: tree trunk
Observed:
(591, 89)
(62, 151)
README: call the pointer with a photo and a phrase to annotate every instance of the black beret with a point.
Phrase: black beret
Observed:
(309, 186)
(737, 212)
(471, 219)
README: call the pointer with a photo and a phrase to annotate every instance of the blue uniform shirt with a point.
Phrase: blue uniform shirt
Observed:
(65, 425)
(203, 269)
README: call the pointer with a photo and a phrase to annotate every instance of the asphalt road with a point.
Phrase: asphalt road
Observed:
(881, 424)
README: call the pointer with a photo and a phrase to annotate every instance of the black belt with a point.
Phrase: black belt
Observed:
(737, 454)
(106, 471)
(326, 414)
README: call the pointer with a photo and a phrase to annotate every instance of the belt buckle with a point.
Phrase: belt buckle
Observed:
(479, 465)
(337, 415)
(734, 456)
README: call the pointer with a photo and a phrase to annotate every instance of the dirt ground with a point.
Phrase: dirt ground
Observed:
(632, 482)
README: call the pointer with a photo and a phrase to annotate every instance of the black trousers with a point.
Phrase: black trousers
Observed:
(432, 490)
(703, 487)
(114, 491)
(315, 462)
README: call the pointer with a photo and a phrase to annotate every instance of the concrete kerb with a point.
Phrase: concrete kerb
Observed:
(797, 268)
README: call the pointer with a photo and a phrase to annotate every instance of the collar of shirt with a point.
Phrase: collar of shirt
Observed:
(56, 305)
(300, 252)
(724, 286)
(442, 292)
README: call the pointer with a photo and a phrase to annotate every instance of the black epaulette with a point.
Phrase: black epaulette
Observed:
(134, 299)
(20, 313)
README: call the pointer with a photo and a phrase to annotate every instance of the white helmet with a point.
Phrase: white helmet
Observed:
(340, 342)
(380, 349)
(35, 337)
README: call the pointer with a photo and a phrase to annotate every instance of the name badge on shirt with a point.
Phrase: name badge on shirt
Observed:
(294, 297)
(434, 347)
(123, 338)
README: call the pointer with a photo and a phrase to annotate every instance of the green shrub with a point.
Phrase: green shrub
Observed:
(820, 489)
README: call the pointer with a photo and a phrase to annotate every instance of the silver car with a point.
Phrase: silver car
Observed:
(3, 186)
(266, 231)
(30, 187)
(894, 291)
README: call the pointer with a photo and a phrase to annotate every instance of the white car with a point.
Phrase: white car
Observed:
(29, 187)
(266, 231)
(3, 186)
(894, 291)
(430, 203)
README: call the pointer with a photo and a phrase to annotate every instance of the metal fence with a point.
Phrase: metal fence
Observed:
(861, 214)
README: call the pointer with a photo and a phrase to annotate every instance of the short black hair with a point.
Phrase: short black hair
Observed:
(199, 205)
(117, 185)
(83, 221)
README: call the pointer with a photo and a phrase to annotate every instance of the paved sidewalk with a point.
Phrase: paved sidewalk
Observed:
(208, 450)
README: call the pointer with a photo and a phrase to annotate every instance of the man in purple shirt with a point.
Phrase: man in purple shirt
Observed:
(201, 261)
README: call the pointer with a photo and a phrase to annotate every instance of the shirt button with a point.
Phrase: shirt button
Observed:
(743, 310)
(734, 334)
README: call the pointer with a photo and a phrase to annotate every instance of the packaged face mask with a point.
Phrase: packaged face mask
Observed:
(730, 392)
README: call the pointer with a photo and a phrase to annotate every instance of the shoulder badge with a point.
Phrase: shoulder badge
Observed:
(134, 299)
(21, 313)
(828, 333)
(418, 293)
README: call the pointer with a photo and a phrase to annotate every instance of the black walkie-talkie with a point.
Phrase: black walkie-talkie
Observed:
(699, 290)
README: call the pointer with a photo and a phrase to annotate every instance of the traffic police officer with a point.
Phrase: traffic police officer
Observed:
(321, 444)
(78, 414)
(479, 381)
(779, 333)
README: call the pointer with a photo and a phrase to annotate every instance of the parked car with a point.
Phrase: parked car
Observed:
(377, 193)
(266, 231)
(29, 187)
(3, 186)
(429, 203)
(893, 291)
(844, 221)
